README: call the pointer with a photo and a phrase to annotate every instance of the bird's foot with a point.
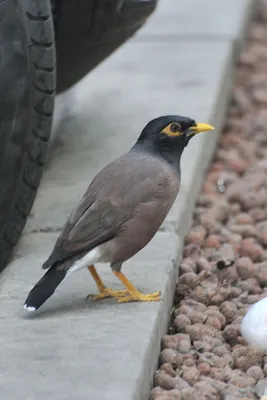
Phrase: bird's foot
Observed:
(137, 296)
(108, 292)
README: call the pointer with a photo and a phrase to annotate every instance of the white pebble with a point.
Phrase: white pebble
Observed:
(254, 325)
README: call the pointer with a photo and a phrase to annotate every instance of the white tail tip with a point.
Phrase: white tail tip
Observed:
(29, 308)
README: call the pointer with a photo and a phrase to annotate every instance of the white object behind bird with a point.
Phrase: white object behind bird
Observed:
(254, 325)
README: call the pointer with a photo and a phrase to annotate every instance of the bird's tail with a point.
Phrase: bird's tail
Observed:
(44, 288)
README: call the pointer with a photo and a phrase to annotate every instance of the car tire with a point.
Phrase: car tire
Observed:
(27, 93)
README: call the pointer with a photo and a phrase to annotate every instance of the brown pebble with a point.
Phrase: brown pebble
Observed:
(215, 373)
(245, 267)
(209, 358)
(253, 200)
(209, 188)
(225, 374)
(195, 305)
(251, 249)
(229, 310)
(254, 298)
(155, 393)
(214, 322)
(241, 382)
(236, 292)
(255, 372)
(168, 369)
(163, 380)
(170, 356)
(193, 315)
(180, 383)
(258, 214)
(234, 192)
(196, 236)
(231, 333)
(189, 360)
(213, 340)
(238, 351)
(170, 341)
(198, 294)
(234, 208)
(220, 295)
(205, 201)
(180, 322)
(215, 312)
(265, 369)
(258, 33)
(261, 273)
(204, 368)
(189, 393)
(213, 241)
(192, 250)
(203, 265)
(179, 342)
(197, 317)
(202, 346)
(253, 357)
(264, 257)
(221, 350)
(221, 210)
(186, 283)
(189, 279)
(191, 374)
(262, 232)
(184, 344)
(245, 230)
(241, 100)
(208, 220)
(244, 219)
(218, 385)
(173, 394)
(233, 160)
(228, 252)
(250, 285)
(187, 265)
(207, 391)
(260, 96)
(198, 331)
(247, 59)
(228, 275)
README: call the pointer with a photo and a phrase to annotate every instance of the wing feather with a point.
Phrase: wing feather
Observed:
(110, 201)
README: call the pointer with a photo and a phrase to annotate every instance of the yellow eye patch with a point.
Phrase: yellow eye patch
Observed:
(173, 129)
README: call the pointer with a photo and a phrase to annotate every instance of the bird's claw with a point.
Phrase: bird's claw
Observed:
(139, 297)
(123, 296)
(107, 292)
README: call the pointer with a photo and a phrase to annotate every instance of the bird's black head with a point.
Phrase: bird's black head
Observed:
(169, 134)
(172, 129)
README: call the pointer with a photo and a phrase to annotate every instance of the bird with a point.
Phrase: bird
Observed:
(121, 211)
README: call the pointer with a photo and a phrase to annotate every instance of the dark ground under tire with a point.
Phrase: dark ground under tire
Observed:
(27, 92)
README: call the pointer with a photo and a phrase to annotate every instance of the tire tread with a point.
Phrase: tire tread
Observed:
(41, 47)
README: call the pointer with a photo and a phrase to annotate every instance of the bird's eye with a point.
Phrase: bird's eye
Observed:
(175, 127)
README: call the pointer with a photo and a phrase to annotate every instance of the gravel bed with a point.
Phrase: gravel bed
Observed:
(224, 266)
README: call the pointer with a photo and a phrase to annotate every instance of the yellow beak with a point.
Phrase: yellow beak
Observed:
(200, 127)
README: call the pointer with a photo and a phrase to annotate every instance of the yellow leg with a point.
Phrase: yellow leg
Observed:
(104, 291)
(133, 293)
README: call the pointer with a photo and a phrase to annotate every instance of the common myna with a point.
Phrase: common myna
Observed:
(121, 211)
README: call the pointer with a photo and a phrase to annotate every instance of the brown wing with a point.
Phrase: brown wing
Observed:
(111, 200)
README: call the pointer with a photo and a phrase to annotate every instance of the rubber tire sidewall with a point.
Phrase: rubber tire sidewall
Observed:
(27, 92)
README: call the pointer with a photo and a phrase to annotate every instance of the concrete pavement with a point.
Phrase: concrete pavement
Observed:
(180, 62)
